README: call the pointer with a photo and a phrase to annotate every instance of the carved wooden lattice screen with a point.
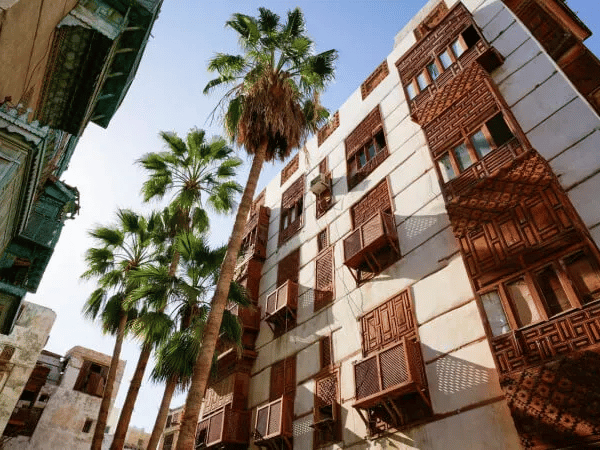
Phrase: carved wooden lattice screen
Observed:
(324, 279)
(388, 323)
(287, 269)
(290, 168)
(326, 410)
(374, 79)
(325, 131)
(292, 198)
(377, 199)
(283, 378)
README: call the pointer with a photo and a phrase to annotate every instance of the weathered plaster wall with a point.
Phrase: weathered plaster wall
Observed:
(67, 410)
(28, 337)
(25, 37)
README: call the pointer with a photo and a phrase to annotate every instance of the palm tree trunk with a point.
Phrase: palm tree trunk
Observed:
(132, 393)
(109, 386)
(163, 412)
(187, 431)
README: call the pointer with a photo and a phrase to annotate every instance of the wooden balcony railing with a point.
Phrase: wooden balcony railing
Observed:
(226, 426)
(274, 421)
(249, 316)
(389, 374)
(575, 330)
(484, 168)
(285, 297)
(373, 235)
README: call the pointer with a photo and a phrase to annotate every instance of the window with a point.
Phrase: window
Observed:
(91, 379)
(445, 59)
(322, 240)
(411, 91)
(494, 134)
(168, 441)
(87, 426)
(457, 48)
(366, 148)
(422, 81)
(542, 293)
(292, 209)
(433, 71)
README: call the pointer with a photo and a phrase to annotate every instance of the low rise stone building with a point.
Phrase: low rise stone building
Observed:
(59, 405)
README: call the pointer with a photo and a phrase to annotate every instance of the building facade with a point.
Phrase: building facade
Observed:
(59, 406)
(61, 67)
(428, 276)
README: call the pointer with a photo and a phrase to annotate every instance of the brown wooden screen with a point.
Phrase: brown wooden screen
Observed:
(283, 378)
(387, 323)
(326, 130)
(326, 352)
(288, 267)
(324, 279)
(377, 199)
(374, 79)
(290, 168)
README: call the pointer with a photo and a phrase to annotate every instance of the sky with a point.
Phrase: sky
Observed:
(167, 96)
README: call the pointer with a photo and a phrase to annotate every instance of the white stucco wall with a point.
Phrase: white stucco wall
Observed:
(461, 373)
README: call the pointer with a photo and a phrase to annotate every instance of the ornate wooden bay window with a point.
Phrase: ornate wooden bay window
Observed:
(322, 187)
(282, 302)
(366, 148)
(561, 33)
(390, 384)
(447, 48)
(372, 246)
(292, 210)
(225, 420)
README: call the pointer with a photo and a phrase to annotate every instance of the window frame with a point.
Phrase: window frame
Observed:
(354, 161)
(529, 276)
(466, 140)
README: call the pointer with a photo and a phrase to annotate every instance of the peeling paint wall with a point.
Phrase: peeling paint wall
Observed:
(28, 338)
(66, 411)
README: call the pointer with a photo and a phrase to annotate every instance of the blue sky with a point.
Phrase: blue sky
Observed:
(167, 95)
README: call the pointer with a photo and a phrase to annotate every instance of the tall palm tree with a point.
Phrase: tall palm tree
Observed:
(121, 250)
(188, 293)
(196, 172)
(271, 107)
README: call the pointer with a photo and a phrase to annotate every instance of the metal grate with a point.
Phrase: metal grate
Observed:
(275, 418)
(262, 416)
(367, 378)
(215, 428)
(394, 370)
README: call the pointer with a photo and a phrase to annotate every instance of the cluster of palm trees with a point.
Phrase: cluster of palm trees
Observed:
(156, 274)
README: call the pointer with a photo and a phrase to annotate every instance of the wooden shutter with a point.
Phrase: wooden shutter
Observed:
(283, 378)
(323, 166)
(388, 323)
(324, 279)
(326, 352)
(83, 374)
(290, 168)
(288, 268)
(377, 199)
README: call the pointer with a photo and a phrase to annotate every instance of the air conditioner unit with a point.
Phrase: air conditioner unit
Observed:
(319, 184)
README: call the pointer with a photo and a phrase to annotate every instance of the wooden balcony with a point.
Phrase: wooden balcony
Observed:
(249, 317)
(372, 246)
(273, 426)
(225, 427)
(282, 304)
(391, 384)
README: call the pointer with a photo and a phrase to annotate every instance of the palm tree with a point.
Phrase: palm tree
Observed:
(271, 107)
(122, 249)
(191, 169)
(188, 293)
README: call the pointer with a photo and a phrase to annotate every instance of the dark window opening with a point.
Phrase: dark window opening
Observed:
(87, 426)
(28, 396)
(584, 273)
(470, 36)
(322, 240)
(552, 291)
(44, 398)
(499, 130)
